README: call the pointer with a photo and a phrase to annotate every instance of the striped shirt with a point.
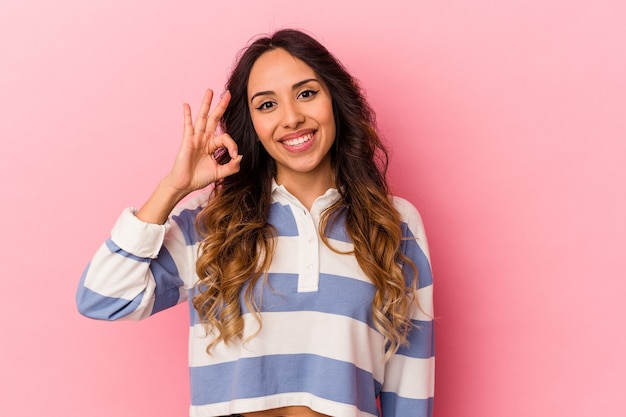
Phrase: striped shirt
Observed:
(317, 346)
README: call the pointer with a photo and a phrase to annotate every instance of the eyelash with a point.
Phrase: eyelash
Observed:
(263, 105)
(267, 105)
(311, 92)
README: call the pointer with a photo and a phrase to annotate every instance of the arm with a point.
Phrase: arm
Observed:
(149, 260)
(195, 166)
(141, 269)
(408, 387)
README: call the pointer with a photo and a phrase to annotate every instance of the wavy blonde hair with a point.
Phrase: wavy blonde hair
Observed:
(237, 242)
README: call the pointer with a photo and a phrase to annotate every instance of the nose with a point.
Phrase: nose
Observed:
(292, 115)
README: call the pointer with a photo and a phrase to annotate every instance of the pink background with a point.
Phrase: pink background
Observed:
(508, 125)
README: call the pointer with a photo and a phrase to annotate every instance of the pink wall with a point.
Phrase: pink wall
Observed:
(508, 121)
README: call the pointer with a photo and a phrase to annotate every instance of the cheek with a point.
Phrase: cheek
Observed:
(259, 127)
(327, 115)
(264, 134)
(329, 120)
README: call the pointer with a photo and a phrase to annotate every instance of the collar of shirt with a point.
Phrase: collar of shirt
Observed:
(280, 193)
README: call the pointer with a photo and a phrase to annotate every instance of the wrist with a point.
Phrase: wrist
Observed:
(171, 193)
(161, 203)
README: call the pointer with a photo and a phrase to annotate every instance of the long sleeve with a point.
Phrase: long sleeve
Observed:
(408, 388)
(141, 269)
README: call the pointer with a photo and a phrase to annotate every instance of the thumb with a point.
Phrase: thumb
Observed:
(231, 167)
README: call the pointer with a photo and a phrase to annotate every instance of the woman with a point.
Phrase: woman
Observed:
(310, 285)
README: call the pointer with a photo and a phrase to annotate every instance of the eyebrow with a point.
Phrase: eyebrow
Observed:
(293, 87)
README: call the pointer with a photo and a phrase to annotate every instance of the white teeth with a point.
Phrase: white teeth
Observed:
(298, 141)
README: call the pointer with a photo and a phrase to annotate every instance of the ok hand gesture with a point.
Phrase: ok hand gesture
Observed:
(195, 165)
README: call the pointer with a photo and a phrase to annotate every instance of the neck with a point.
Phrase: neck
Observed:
(307, 187)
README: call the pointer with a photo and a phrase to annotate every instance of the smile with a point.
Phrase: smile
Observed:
(299, 140)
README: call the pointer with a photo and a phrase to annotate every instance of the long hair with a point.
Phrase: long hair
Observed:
(237, 241)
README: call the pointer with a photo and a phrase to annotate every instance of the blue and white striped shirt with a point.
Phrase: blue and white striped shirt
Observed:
(317, 346)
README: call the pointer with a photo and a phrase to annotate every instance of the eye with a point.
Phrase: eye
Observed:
(306, 94)
(266, 105)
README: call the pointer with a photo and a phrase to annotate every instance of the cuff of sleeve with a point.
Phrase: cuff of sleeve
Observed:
(138, 237)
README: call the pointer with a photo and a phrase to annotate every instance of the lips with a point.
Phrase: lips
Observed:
(297, 141)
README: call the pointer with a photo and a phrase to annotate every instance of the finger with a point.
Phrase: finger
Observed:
(223, 141)
(187, 123)
(231, 167)
(201, 118)
(217, 113)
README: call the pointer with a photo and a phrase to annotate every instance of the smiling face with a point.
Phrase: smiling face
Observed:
(292, 114)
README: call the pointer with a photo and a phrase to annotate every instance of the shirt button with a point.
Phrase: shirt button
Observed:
(310, 266)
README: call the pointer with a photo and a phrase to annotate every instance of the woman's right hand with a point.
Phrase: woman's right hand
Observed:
(195, 166)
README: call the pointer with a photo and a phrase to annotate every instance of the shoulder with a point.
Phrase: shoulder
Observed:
(182, 220)
(408, 213)
(193, 204)
(412, 225)
(186, 212)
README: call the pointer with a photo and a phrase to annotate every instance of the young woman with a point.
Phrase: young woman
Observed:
(310, 285)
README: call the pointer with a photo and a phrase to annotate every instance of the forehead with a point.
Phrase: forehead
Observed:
(277, 68)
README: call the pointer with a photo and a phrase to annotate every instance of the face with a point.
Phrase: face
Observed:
(292, 114)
